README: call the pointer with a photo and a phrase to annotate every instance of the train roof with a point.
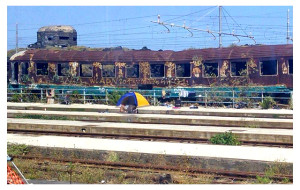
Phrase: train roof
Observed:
(236, 52)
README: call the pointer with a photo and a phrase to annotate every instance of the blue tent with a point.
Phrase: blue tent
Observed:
(133, 98)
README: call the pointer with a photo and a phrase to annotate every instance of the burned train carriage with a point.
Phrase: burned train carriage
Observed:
(263, 65)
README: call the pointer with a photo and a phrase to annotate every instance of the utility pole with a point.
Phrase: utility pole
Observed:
(287, 27)
(17, 42)
(220, 26)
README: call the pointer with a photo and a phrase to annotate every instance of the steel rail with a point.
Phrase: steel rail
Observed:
(141, 138)
(234, 175)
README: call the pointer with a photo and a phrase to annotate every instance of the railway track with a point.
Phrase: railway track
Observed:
(219, 176)
(142, 138)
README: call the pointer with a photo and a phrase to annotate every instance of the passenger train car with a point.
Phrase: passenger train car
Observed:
(257, 65)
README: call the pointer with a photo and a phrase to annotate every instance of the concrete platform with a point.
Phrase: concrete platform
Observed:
(163, 119)
(203, 156)
(201, 111)
(259, 135)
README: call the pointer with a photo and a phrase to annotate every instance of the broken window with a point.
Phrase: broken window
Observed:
(63, 38)
(24, 68)
(132, 71)
(63, 69)
(108, 70)
(238, 68)
(211, 69)
(290, 66)
(183, 70)
(86, 70)
(268, 67)
(157, 70)
(42, 69)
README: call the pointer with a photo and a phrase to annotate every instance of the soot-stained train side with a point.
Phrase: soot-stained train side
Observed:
(259, 65)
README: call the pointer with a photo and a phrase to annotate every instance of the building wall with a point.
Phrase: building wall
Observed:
(49, 38)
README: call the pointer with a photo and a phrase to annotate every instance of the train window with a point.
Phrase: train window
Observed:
(108, 70)
(157, 70)
(211, 69)
(86, 70)
(238, 68)
(290, 66)
(41, 68)
(268, 67)
(132, 71)
(183, 70)
(24, 68)
(63, 69)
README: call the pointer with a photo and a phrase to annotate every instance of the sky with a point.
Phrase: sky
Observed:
(131, 26)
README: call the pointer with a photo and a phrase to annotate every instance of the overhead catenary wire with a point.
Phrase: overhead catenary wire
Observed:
(204, 30)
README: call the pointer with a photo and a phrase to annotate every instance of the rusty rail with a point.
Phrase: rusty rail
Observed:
(155, 168)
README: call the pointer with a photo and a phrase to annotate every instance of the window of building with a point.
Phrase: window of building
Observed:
(290, 66)
(183, 70)
(74, 38)
(24, 68)
(63, 69)
(157, 70)
(132, 71)
(63, 38)
(86, 70)
(108, 70)
(42, 69)
(238, 68)
(211, 69)
(268, 67)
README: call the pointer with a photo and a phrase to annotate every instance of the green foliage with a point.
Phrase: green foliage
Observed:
(25, 79)
(263, 180)
(75, 97)
(226, 138)
(277, 168)
(25, 96)
(113, 157)
(16, 98)
(17, 149)
(114, 97)
(267, 103)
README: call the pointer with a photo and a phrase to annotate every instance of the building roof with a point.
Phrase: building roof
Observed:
(238, 52)
(57, 28)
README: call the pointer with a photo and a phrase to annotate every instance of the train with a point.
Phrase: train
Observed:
(249, 65)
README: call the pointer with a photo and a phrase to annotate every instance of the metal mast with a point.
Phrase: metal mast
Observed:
(17, 42)
(287, 27)
(220, 26)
